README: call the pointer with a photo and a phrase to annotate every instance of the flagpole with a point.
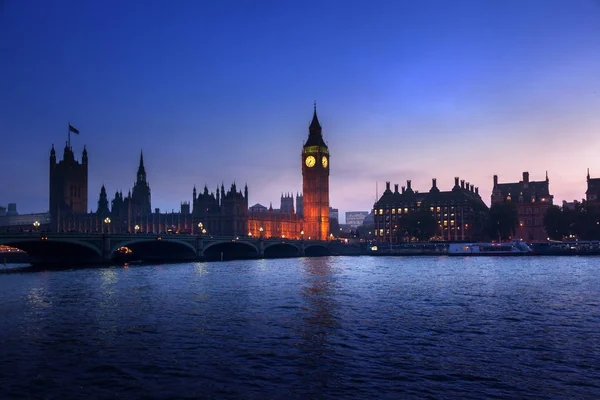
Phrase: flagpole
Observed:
(69, 135)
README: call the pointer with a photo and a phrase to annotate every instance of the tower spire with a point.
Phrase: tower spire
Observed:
(141, 173)
(315, 137)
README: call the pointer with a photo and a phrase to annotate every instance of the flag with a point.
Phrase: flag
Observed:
(71, 129)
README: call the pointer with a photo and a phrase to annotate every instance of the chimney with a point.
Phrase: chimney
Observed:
(472, 188)
(387, 186)
(525, 177)
(495, 180)
(456, 181)
(477, 190)
(434, 183)
(462, 183)
(403, 189)
(408, 185)
(395, 188)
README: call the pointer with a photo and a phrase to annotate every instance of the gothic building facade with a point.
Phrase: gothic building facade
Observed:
(315, 182)
(218, 213)
(68, 185)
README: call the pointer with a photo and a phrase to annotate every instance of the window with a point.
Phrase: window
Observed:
(393, 211)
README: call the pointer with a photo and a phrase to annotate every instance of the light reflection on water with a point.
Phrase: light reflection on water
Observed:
(306, 328)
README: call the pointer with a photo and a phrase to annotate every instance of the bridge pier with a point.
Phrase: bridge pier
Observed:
(199, 245)
(261, 248)
(106, 248)
(302, 254)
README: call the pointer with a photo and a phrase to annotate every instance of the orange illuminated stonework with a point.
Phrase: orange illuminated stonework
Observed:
(315, 183)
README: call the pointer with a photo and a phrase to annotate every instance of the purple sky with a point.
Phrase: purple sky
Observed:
(221, 91)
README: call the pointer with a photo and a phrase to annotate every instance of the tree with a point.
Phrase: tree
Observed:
(419, 224)
(502, 221)
(556, 223)
(334, 227)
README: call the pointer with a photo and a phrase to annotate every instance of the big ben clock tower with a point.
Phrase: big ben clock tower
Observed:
(315, 183)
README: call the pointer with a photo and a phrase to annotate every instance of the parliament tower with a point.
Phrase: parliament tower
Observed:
(68, 185)
(315, 183)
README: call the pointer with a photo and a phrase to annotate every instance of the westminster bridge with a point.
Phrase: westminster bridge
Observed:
(104, 248)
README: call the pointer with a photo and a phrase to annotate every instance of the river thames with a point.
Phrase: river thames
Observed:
(324, 328)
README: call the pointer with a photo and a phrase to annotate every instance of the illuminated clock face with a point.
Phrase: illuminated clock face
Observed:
(324, 161)
(310, 161)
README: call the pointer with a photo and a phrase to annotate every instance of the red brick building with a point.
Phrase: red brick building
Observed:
(532, 199)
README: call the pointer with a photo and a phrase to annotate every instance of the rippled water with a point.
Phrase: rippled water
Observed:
(356, 327)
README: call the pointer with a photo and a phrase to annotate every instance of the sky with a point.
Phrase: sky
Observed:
(220, 91)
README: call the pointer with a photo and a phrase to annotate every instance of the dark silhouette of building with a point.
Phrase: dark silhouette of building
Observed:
(68, 185)
(221, 213)
(287, 203)
(140, 196)
(299, 205)
(315, 182)
(103, 209)
(592, 194)
(532, 200)
(459, 213)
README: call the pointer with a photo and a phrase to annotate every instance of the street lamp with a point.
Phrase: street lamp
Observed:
(261, 231)
(36, 225)
(204, 231)
(137, 228)
(302, 235)
(107, 222)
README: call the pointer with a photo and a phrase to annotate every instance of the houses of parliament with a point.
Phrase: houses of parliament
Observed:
(217, 213)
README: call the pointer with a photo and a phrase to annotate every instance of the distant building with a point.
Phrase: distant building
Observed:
(354, 219)
(592, 194)
(571, 205)
(12, 209)
(532, 199)
(334, 213)
(459, 212)
(14, 222)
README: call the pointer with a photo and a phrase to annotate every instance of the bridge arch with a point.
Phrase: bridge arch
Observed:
(153, 249)
(281, 249)
(56, 250)
(316, 250)
(230, 249)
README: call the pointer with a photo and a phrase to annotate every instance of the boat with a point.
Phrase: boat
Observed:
(515, 248)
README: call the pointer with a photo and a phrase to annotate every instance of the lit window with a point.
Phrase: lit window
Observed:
(406, 211)
(381, 211)
(431, 209)
(393, 211)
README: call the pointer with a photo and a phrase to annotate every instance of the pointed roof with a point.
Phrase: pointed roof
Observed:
(141, 159)
(315, 137)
